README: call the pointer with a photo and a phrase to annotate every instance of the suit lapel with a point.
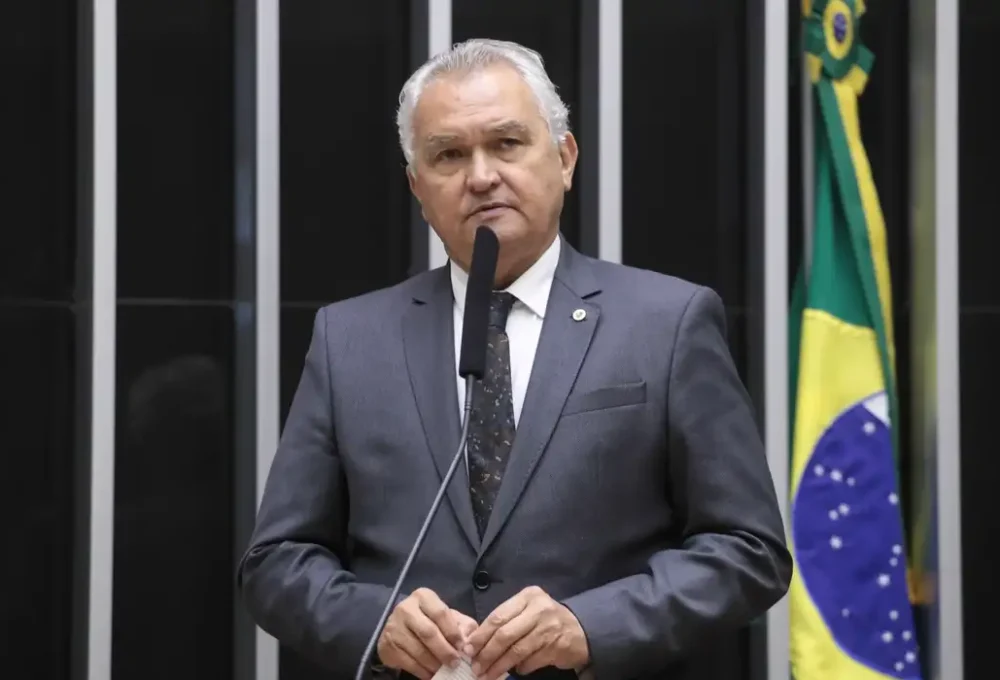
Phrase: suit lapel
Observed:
(429, 341)
(562, 348)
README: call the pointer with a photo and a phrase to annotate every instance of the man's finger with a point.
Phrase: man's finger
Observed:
(509, 636)
(440, 614)
(527, 646)
(409, 654)
(430, 636)
(466, 624)
(499, 618)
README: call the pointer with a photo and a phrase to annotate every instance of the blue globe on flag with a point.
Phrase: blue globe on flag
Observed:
(849, 544)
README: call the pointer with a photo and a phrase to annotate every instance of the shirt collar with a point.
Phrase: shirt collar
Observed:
(531, 288)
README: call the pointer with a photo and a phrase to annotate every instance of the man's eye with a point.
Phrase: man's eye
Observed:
(509, 142)
(449, 155)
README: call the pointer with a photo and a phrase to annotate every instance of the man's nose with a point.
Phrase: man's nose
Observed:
(482, 173)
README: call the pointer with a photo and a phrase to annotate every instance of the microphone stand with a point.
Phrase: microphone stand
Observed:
(390, 605)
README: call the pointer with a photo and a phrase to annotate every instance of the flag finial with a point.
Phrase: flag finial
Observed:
(833, 46)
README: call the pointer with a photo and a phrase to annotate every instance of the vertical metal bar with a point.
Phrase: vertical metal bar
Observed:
(946, 215)
(934, 54)
(438, 40)
(609, 155)
(587, 122)
(268, 237)
(808, 174)
(103, 202)
(257, 294)
(776, 292)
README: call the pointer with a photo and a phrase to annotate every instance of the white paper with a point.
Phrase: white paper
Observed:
(461, 672)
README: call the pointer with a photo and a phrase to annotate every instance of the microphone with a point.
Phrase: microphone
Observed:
(471, 366)
(485, 249)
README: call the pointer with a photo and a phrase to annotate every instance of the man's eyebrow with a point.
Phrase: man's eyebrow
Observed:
(511, 127)
(432, 142)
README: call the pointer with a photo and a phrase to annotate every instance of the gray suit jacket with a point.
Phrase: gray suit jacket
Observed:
(637, 492)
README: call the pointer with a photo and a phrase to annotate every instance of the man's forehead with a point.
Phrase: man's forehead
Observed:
(485, 100)
(476, 85)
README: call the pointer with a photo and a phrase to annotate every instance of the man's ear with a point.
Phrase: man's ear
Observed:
(568, 153)
(411, 177)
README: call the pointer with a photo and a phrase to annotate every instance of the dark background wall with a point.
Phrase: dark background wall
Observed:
(175, 450)
(979, 324)
(40, 316)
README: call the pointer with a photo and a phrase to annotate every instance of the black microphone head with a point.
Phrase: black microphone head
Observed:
(482, 272)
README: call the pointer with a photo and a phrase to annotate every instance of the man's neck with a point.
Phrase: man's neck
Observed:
(507, 275)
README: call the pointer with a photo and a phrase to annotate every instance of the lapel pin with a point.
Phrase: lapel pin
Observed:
(579, 314)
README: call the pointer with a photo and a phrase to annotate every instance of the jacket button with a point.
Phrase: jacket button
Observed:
(481, 580)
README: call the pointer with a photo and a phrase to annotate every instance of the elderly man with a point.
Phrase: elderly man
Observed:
(615, 508)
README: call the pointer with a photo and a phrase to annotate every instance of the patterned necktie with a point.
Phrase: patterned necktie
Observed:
(491, 423)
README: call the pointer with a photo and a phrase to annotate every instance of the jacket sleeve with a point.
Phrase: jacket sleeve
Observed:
(732, 564)
(292, 577)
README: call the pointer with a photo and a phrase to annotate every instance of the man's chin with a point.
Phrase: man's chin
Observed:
(507, 227)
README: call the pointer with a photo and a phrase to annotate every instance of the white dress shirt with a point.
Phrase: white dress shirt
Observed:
(524, 325)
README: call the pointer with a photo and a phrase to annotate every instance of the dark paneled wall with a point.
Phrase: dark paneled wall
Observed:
(344, 197)
(979, 324)
(40, 317)
(173, 564)
(684, 148)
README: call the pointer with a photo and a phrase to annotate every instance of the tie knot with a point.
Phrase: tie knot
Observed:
(500, 305)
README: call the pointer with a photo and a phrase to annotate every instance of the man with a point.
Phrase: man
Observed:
(615, 509)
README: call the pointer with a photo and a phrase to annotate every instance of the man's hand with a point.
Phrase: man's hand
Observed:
(422, 634)
(525, 633)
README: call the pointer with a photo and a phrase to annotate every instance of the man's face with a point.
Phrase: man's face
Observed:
(483, 154)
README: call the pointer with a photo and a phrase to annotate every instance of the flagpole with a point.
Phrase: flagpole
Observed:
(808, 158)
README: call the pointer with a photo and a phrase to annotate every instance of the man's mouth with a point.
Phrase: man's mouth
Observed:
(490, 207)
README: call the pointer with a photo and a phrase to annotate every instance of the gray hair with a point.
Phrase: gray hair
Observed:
(473, 55)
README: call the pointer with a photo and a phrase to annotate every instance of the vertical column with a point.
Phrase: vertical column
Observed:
(438, 40)
(776, 289)
(268, 269)
(609, 125)
(257, 296)
(934, 180)
(101, 15)
(946, 215)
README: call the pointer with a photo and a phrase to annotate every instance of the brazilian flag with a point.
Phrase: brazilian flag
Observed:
(850, 613)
